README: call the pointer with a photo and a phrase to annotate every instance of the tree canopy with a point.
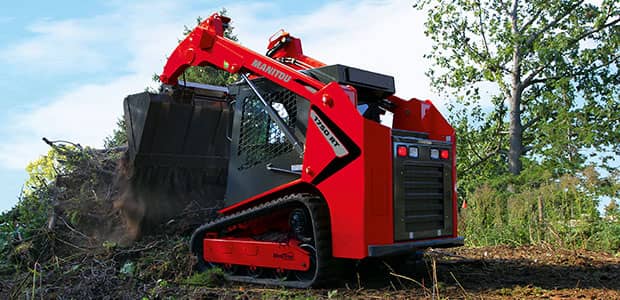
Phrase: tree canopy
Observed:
(549, 70)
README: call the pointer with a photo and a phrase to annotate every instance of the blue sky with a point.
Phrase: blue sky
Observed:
(67, 65)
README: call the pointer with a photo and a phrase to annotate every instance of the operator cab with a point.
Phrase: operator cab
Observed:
(262, 157)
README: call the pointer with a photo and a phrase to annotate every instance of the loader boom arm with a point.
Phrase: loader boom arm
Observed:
(206, 45)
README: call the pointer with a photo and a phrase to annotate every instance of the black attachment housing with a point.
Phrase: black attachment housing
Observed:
(186, 129)
(369, 85)
(178, 152)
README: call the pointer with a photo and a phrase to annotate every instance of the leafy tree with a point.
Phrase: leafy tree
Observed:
(42, 171)
(118, 136)
(551, 68)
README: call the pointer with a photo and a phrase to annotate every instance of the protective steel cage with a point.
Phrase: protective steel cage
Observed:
(260, 138)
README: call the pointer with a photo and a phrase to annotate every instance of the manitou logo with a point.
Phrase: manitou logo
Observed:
(271, 70)
(339, 149)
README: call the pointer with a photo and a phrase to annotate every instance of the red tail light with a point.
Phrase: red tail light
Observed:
(401, 150)
(444, 154)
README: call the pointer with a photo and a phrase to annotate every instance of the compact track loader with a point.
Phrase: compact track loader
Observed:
(308, 174)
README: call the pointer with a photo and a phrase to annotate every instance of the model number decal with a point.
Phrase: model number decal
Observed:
(271, 70)
(284, 256)
(333, 141)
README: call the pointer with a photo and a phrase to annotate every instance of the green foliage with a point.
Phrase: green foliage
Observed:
(42, 171)
(24, 232)
(118, 136)
(32, 208)
(26, 220)
(612, 210)
(538, 208)
(211, 277)
(549, 68)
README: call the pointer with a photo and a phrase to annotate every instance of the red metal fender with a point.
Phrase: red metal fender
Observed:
(235, 251)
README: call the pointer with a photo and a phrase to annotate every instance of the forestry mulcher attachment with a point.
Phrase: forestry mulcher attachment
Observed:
(296, 148)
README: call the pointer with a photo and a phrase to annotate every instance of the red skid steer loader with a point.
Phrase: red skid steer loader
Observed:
(308, 174)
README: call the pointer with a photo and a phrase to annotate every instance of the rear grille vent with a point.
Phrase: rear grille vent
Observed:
(423, 197)
(423, 190)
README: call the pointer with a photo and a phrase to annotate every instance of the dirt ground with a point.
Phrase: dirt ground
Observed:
(161, 268)
(502, 272)
(529, 272)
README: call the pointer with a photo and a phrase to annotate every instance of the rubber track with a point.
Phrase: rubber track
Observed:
(326, 266)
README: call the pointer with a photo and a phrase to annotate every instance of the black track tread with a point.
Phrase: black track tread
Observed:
(326, 264)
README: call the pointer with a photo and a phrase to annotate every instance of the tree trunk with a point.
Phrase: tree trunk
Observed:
(515, 131)
(516, 128)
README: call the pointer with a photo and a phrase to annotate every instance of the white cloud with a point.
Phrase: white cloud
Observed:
(62, 46)
(380, 36)
(84, 115)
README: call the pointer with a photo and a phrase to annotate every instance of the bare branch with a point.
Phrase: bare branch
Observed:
(531, 122)
(471, 148)
(482, 32)
(529, 78)
(575, 72)
(483, 159)
(595, 30)
(551, 24)
(513, 14)
(532, 20)
(531, 97)
(516, 55)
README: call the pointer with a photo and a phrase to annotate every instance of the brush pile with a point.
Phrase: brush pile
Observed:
(87, 231)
